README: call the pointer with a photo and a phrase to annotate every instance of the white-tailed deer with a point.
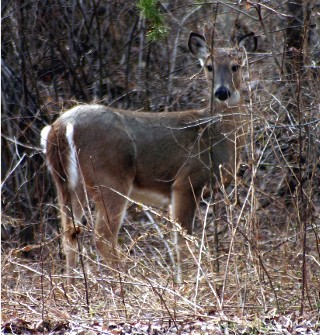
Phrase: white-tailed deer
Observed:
(108, 154)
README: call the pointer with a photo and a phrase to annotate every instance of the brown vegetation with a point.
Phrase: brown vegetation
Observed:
(256, 249)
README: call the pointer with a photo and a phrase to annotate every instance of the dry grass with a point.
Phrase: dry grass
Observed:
(260, 273)
(245, 273)
(255, 261)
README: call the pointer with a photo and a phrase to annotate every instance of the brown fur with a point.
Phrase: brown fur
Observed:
(134, 154)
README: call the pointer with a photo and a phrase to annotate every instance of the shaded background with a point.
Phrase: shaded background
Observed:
(56, 54)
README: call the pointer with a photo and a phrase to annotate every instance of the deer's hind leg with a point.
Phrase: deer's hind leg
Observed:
(71, 206)
(110, 205)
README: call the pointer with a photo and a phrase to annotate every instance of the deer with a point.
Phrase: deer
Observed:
(110, 155)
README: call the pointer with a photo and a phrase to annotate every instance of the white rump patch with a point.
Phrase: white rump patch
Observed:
(72, 166)
(44, 137)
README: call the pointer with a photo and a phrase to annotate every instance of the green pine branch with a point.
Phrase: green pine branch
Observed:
(155, 19)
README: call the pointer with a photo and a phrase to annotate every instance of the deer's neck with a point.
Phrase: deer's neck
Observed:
(231, 119)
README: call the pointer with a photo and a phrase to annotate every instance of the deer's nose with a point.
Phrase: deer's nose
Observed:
(222, 93)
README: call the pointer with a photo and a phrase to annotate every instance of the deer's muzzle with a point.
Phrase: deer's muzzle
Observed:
(222, 93)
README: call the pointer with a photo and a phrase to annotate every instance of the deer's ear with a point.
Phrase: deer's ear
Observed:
(198, 47)
(249, 42)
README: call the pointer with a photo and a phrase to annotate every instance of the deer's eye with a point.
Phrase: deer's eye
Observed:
(235, 67)
(209, 68)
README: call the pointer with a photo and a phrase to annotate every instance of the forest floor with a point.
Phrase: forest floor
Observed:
(253, 264)
(242, 289)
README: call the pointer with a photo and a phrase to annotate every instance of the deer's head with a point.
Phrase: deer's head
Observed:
(222, 67)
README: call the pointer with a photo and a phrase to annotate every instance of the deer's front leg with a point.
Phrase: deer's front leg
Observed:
(184, 204)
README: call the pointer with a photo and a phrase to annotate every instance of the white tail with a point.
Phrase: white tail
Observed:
(110, 154)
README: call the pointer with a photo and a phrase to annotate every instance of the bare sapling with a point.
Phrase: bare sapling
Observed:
(109, 155)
